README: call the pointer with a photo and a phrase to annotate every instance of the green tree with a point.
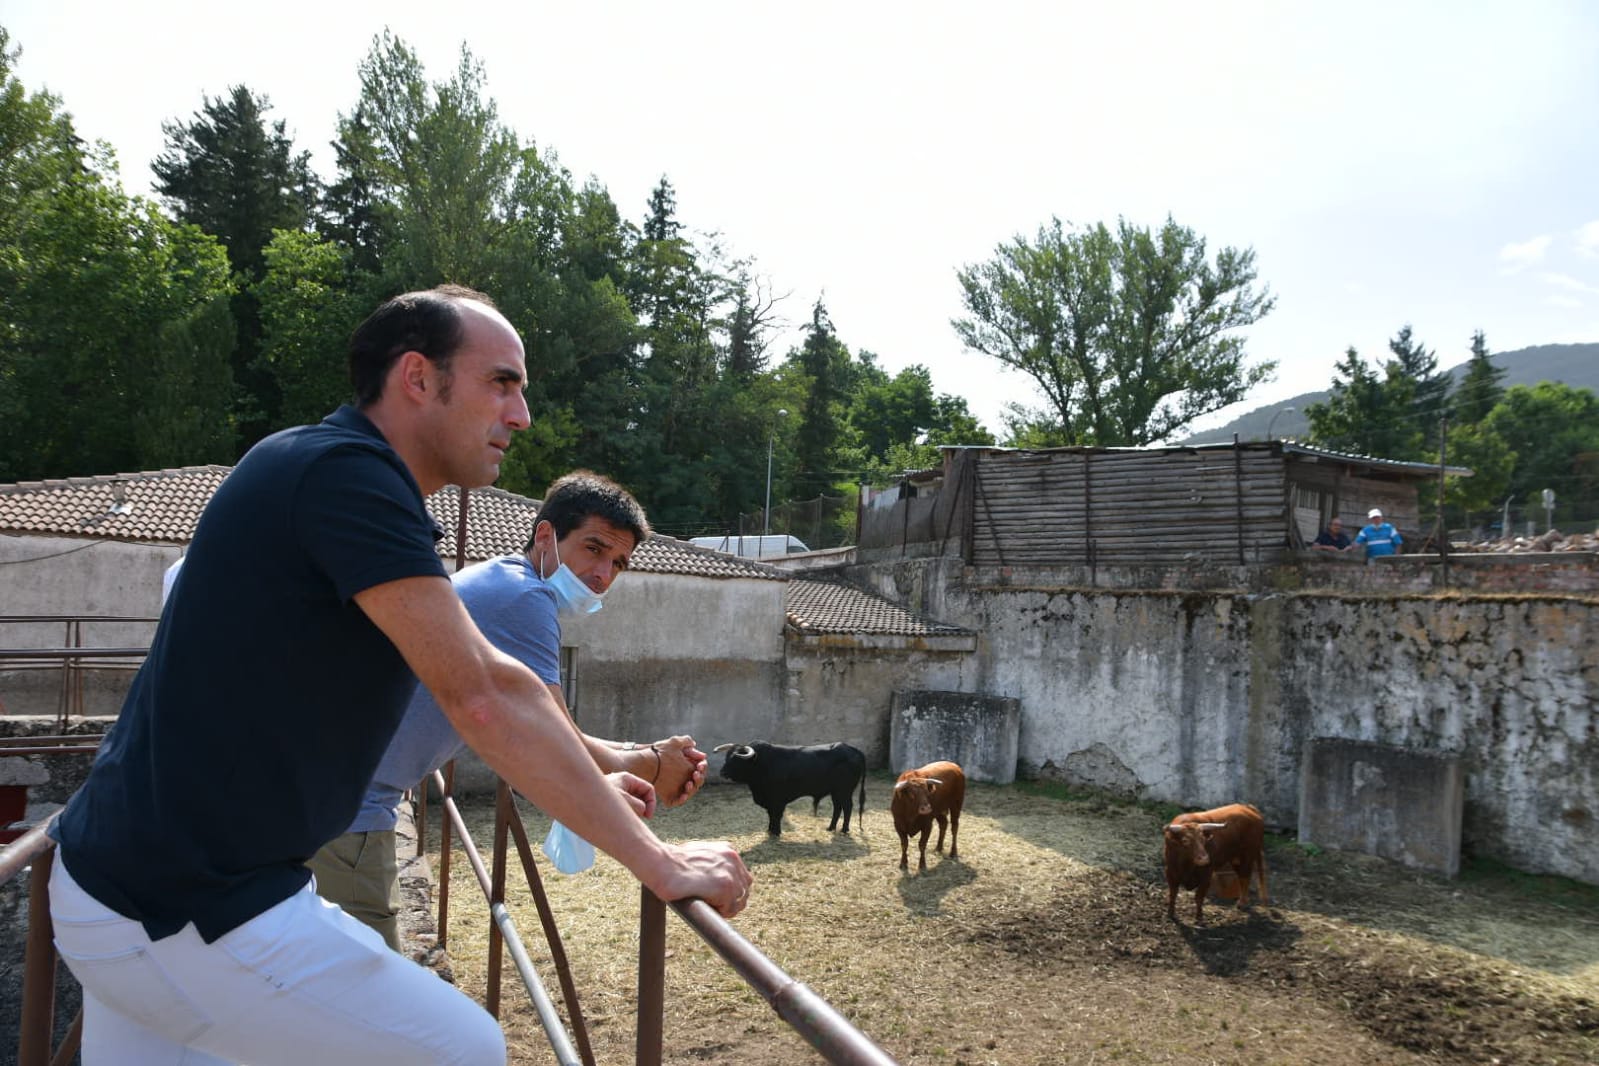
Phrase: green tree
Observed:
(1551, 428)
(440, 155)
(237, 177)
(825, 363)
(112, 309)
(1130, 336)
(1368, 412)
(1491, 461)
(354, 211)
(308, 311)
(1479, 389)
(1430, 389)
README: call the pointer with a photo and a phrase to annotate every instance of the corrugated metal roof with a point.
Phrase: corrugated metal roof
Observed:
(831, 606)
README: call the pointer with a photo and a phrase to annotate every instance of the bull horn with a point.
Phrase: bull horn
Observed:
(930, 781)
(720, 748)
(743, 751)
(1211, 825)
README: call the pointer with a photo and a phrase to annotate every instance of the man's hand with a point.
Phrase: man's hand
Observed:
(639, 793)
(710, 870)
(682, 770)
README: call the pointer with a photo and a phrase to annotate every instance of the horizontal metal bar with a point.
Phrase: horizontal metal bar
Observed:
(808, 1014)
(565, 1053)
(73, 653)
(20, 853)
(554, 1028)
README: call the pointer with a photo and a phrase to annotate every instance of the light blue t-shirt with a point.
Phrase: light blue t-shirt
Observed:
(1380, 538)
(516, 611)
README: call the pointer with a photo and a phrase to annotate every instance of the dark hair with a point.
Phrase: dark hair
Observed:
(429, 322)
(582, 493)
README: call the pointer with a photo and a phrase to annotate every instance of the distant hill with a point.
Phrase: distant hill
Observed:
(1576, 365)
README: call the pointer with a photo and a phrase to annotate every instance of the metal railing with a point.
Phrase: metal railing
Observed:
(34, 852)
(71, 657)
(808, 1014)
(811, 1016)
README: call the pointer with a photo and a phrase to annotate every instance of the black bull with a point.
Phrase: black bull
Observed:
(779, 774)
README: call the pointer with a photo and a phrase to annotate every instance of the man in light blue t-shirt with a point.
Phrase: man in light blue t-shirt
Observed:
(587, 530)
(1379, 537)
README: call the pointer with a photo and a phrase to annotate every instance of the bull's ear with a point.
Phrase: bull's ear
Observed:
(933, 784)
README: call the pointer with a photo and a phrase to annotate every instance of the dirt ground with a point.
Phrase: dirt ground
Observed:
(1047, 942)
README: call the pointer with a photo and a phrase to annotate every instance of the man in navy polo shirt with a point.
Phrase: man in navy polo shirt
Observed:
(312, 600)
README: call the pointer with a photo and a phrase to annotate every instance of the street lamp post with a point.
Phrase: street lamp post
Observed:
(1273, 421)
(766, 514)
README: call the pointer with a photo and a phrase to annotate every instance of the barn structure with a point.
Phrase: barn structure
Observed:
(1244, 504)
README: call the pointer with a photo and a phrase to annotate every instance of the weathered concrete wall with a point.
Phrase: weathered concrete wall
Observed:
(1203, 698)
(674, 654)
(76, 576)
(1399, 803)
(841, 688)
(977, 733)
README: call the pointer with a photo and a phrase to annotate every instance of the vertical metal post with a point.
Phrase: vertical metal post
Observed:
(444, 856)
(1238, 492)
(651, 978)
(1443, 526)
(502, 803)
(39, 970)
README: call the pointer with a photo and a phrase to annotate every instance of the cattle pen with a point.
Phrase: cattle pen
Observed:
(1047, 942)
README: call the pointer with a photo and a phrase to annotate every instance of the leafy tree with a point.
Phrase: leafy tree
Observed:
(355, 212)
(235, 176)
(308, 311)
(1130, 335)
(749, 324)
(113, 309)
(440, 155)
(1479, 388)
(1491, 461)
(1368, 413)
(1430, 389)
(105, 307)
(1550, 427)
(824, 361)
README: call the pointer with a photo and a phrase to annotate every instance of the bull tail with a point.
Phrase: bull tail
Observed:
(860, 804)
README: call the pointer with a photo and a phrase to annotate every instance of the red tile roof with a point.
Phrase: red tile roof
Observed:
(832, 606)
(163, 507)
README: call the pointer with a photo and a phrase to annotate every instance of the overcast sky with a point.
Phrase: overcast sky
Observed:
(1427, 163)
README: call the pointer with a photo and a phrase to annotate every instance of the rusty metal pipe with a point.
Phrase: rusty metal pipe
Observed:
(38, 969)
(808, 1014)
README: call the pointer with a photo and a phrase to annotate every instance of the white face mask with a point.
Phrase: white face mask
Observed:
(572, 596)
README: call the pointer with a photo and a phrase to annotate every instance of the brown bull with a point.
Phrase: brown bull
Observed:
(936, 791)
(1230, 838)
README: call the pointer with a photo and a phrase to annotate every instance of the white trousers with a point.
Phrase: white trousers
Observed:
(302, 984)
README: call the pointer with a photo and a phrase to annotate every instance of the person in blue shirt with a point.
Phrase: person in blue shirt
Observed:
(587, 530)
(311, 602)
(1379, 537)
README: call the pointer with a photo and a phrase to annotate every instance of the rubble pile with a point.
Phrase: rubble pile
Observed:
(1552, 541)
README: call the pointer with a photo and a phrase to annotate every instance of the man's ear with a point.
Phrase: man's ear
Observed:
(413, 374)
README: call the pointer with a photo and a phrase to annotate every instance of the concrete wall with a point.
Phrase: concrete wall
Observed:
(841, 688)
(76, 576)
(676, 654)
(1203, 698)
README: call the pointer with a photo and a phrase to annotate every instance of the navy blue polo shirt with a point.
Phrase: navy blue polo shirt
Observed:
(250, 733)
